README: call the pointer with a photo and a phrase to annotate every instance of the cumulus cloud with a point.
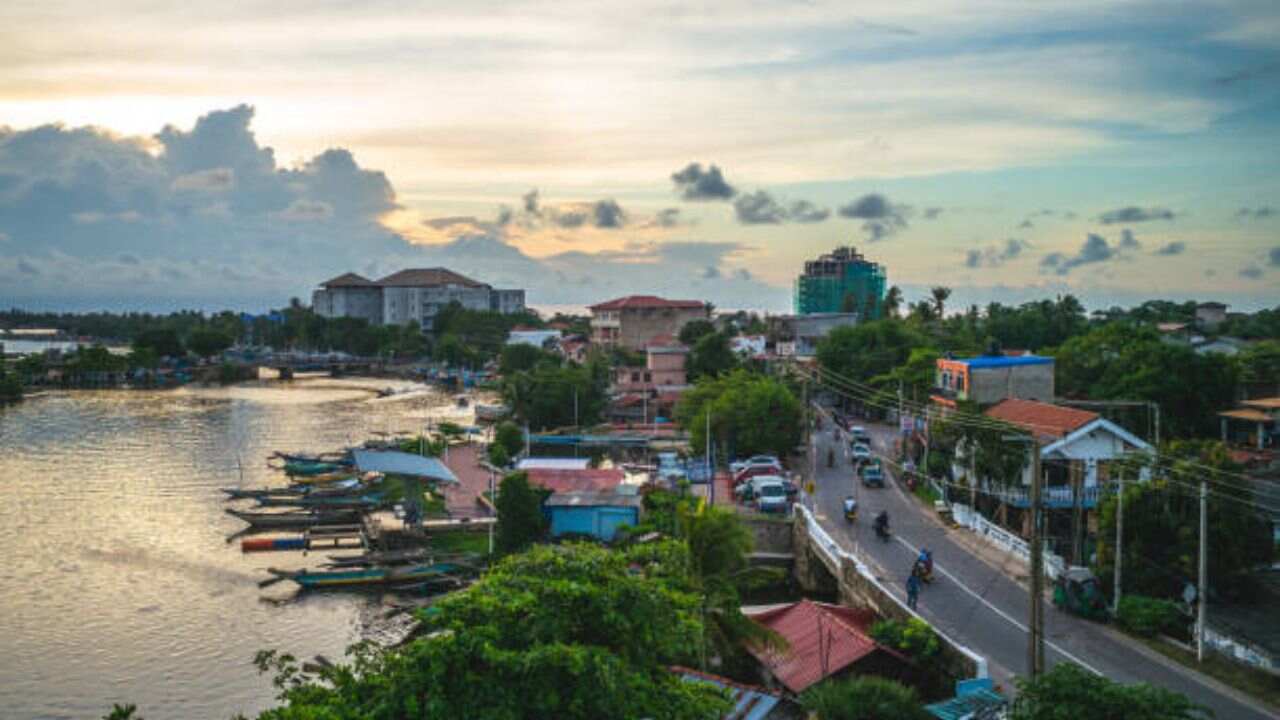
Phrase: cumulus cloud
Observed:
(803, 211)
(665, 218)
(1251, 271)
(530, 200)
(212, 180)
(758, 208)
(1128, 241)
(995, 256)
(1134, 214)
(881, 217)
(931, 213)
(694, 183)
(710, 272)
(1094, 250)
(1258, 213)
(306, 211)
(608, 214)
(1177, 247)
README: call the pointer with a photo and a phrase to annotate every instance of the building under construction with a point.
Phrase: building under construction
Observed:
(842, 281)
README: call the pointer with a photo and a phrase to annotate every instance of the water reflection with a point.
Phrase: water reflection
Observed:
(118, 584)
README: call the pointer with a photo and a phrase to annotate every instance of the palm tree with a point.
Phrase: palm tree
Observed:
(893, 301)
(940, 295)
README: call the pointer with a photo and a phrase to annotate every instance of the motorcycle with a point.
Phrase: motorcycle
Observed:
(850, 509)
(882, 528)
(923, 567)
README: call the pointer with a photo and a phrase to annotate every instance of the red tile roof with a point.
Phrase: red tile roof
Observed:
(589, 480)
(814, 630)
(1043, 419)
(349, 280)
(428, 277)
(647, 301)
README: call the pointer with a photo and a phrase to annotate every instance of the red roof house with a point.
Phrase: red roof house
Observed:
(637, 302)
(587, 480)
(1047, 421)
(823, 641)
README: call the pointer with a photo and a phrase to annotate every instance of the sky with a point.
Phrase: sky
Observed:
(156, 156)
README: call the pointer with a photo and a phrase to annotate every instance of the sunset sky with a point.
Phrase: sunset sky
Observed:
(163, 155)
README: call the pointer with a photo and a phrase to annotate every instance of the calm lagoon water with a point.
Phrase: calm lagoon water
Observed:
(116, 580)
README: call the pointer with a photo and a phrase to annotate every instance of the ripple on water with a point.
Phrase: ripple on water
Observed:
(118, 585)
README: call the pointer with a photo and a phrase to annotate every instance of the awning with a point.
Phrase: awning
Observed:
(402, 463)
(1247, 414)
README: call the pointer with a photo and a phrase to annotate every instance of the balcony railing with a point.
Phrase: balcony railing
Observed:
(1050, 497)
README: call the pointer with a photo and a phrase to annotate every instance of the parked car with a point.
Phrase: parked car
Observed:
(791, 489)
(754, 470)
(860, 452)
(770, 494)
(770, 460)
(872, 475)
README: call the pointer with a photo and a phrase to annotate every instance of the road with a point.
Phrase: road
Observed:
(983, 606)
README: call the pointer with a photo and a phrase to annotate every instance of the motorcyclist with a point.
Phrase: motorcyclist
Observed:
(850, 507)
(882, 522)
(923, 566)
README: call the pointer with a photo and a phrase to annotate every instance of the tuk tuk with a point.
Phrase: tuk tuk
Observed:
(1078, 592)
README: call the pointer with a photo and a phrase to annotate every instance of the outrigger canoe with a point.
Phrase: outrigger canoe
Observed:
(322, 501)
(296, 519)
(308, 468)
(370, 576)
(345, 487)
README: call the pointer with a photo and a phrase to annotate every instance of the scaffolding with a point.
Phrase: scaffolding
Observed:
(841, 281)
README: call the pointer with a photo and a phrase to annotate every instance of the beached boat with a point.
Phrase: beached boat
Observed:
(491, 413)
(311, 468)
(326, 479)
(296, 519)
(370, 576)
(351, 502)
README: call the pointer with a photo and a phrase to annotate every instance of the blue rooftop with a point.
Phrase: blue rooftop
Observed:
(1001, 361)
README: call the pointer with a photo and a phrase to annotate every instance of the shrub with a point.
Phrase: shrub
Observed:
(1149, 616)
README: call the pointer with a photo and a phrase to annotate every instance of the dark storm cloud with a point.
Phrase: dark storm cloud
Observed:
(1257, 213)
(1128, 241)
(693, 183)
(758, 208)
(881, 217)
(608, 214)
(1094, 250)
(1177, 247)
(803, 211)
(1134, 214)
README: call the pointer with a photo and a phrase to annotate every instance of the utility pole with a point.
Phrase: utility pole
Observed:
(711, 477)
(1035, 650)
(1119, 540)
(1077, 512)
(1202, 595)
(493, 504)
(1157, 407)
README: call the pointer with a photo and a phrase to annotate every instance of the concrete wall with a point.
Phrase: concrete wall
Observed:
(640, 325)
(771, 536)
(355, 302)
(1027, 382)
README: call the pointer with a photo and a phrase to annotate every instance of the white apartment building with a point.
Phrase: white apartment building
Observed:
(416, 294)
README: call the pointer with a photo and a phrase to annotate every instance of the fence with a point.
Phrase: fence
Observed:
(1054, 565)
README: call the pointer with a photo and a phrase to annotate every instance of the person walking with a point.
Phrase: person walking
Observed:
(913, 590)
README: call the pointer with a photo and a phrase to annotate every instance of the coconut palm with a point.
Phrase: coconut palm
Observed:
(893, 301)
(940, 295)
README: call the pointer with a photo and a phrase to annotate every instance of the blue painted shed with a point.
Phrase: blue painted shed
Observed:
(598, 514)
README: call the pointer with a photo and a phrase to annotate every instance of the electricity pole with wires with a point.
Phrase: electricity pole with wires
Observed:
(1035, 640)
(1202, 596)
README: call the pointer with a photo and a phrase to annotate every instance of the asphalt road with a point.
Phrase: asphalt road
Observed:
(980, 605)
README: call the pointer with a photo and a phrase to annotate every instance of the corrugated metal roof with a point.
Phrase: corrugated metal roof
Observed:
(554, 463)
(594, 499)
(821, 639)
(972, 706)
(402, 463)
(750, 702)
(586, 479)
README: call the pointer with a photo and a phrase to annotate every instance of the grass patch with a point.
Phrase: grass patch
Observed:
(926, 493)
(1253, 682)
(461, 541)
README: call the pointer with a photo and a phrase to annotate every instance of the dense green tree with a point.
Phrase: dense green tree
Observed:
(1260, 365)
(483, 332)
(519, 357)
(1069, 691)
(1162, 521)
(750, 413)
(939, 295)
(712, 356)
(695, 330)
(510, 437)
(575, 632)
(1035, 325)
(164, 342)
(10, 386)
(864, 351)
(520, 519)
(915, 377)
(863, 698)
(207, 342)
(893, 301)
(546, 396)
(450, 350)
(1124, 362)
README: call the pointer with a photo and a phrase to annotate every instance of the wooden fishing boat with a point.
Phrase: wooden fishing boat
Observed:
(491, 413)
(296, 519)
(323, 479)
(345, 487)
(309, 468)
(357, 502)
(311, 579)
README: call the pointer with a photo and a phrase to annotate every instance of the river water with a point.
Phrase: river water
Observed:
(116, 580)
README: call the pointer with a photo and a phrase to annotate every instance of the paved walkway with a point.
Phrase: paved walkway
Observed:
(976, 597)
(461, 499)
